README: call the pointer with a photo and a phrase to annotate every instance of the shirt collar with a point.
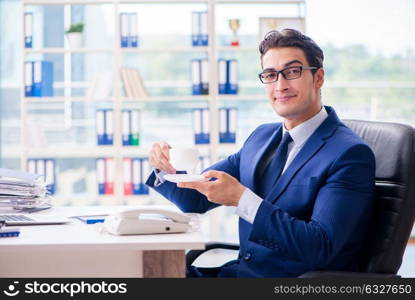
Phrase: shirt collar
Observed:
(302, 132)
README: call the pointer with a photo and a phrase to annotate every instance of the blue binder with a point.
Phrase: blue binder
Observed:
(101, 175)
(28, 79)
(100, 126)
(227, 121)
(50, 176)
(132, 30)
(195, 28)
(109, 127)
(28, 30)
(223, 76)
(204, 77)
(203, 28)
(124, 29)
(232, 76)
(144, 190)
(42, 79)
(136, 178)
(126, 127)
(196, 75)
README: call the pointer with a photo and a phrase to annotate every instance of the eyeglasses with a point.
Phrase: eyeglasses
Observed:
(289, 73)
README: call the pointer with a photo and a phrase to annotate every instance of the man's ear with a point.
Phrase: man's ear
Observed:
(319, 78)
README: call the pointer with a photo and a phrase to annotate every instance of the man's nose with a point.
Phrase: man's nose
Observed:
(281, 84)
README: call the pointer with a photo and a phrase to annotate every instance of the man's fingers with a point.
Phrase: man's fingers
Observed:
(165, 150)
(192, 185)
(160, 160)
(214, 174)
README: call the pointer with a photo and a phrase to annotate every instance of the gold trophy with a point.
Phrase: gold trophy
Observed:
(234, 25)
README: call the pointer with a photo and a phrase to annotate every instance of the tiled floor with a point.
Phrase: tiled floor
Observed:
(216, 258)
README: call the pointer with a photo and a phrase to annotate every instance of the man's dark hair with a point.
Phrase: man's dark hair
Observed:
(293, 38)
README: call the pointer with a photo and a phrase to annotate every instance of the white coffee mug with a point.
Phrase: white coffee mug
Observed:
(184, 159)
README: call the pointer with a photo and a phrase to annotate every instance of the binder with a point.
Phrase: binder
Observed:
(227, 133)
(28, 30)
(100, 126)
(196, 72)
(124, 30)
(109, 176)
(50, 176)
(132, 30)
(222, 78)
(204, 77)
(223, 128)
(232, 76)
(31, 166)
(136, 176)
(195, 28)
(101, 175)
(42, 79)
(109, 127)
(205, 127)
(197, 125)
(232, 121)
(126, 127)
(144, 174)
(28, 79)
(134, 137)
(203, 28)
(40, 168)
(128, 185)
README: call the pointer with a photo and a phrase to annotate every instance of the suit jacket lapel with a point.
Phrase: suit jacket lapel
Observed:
(312, 146)
(259, 155)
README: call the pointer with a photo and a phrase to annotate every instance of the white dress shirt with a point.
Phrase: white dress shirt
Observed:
(249, 202)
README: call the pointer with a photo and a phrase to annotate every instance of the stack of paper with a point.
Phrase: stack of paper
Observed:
(21, 190)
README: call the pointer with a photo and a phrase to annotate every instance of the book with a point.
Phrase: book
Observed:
(128, 88)
(133, 83)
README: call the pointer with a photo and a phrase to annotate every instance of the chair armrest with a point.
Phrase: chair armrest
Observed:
(193, 254)
(340, 274)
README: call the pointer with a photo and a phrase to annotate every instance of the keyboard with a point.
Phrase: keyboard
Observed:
(16, 218)
(22, 219)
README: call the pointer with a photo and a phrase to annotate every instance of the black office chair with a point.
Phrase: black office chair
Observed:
(381, 256)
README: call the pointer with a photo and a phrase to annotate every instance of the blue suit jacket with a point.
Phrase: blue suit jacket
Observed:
(316, 215)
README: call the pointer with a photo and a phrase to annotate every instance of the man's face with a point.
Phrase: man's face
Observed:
(298, 99)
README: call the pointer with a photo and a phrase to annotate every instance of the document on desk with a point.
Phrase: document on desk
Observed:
(22, 189)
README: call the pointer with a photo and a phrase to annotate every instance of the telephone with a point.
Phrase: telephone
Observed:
(147, 221)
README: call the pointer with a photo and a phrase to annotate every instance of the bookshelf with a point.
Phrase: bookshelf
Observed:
(119, 101)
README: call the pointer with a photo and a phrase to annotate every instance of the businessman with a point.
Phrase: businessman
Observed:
(303, 189)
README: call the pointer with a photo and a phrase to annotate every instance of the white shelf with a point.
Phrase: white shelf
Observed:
(163, 50)
(242, 97)
(167, 98)
(259, 1)
(28, 51)
(73, 151)
(162, 1)
(237, 49)
(64, 99)
(63, 2)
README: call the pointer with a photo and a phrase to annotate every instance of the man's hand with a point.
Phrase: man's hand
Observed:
(225, 190)
(159, 157)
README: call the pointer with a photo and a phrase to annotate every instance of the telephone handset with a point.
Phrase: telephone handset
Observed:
(147, 221)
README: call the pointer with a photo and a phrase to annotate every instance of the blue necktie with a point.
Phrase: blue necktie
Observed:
(274, 169)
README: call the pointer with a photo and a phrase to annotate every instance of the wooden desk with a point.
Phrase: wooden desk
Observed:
(80, 250)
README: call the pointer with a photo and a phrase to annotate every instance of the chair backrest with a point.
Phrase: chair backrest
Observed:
(394, 148)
